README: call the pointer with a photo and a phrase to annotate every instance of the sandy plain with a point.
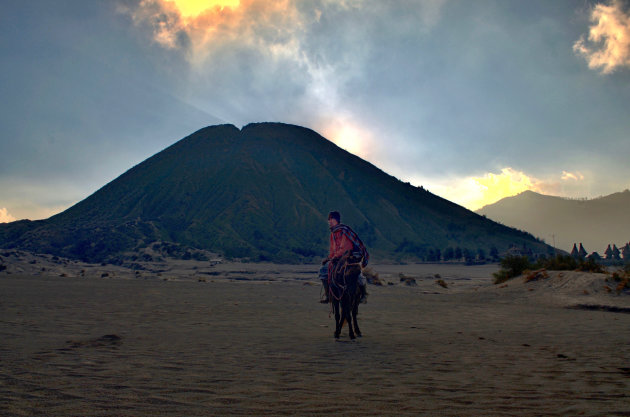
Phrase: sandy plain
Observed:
(200, 339)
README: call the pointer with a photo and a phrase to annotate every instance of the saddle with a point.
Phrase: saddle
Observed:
(345, 270)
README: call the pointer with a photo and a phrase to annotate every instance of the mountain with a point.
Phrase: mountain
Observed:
(260, 193)
(596, 223)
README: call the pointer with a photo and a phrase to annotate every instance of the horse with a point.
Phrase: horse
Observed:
(344, 296)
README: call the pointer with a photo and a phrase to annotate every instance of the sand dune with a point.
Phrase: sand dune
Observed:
(253, 340)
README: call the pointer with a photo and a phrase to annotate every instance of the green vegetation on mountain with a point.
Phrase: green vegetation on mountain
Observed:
(262, 193)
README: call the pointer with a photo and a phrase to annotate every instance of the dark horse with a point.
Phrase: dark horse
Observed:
(344, 295)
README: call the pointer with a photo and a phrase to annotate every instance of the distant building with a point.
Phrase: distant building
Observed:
(574, 251)
(594, 256)
(615, 253)
(608, 253)
(582, 252)
(625, 252)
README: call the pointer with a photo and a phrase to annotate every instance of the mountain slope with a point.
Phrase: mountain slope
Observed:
(260, 193)
(596, 223)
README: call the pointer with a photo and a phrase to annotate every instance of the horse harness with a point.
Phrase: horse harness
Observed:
(337, 274)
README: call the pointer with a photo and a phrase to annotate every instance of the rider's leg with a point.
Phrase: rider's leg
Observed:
(325, 300)
(323, 276)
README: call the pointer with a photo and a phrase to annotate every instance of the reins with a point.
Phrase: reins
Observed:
(332, 281)
(332, 272)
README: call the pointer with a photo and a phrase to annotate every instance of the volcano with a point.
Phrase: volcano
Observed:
(260, 193)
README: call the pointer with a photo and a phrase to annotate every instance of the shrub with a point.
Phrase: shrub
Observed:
(371, 276)
(501, 276)
(411, 281)
(569, 263)
(623, 285)
(622, 277)
(558, 263)
(512, 266)
(590, 265)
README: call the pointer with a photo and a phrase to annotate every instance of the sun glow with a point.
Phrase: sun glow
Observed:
(348, 137)
(193, 8)
(477, 192)
(491, 187)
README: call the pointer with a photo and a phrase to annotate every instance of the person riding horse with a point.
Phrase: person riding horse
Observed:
(345, 248)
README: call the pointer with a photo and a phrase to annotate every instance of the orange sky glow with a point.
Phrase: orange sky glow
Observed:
(477, 192)
(193, 8)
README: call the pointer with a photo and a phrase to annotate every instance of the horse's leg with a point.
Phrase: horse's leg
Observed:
(347, 314)
(338, 320)
(355, 312)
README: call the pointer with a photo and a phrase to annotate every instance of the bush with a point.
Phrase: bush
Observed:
(590, 266)
(501, 276)
(557, 263)
(371, 276)
(512, 266)
(622, 277)
(411, 281)
(569, 263)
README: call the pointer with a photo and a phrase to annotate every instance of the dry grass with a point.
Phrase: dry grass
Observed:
(441, 283)
(372, 277)
(410, 281)
(536, 275)
(622, 278)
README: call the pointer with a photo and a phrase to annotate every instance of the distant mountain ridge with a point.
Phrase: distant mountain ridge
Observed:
(596, 223)
(260, 193)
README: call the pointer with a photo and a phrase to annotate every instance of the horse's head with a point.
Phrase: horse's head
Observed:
(352, 272)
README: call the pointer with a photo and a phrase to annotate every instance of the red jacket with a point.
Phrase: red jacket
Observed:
(339, 244)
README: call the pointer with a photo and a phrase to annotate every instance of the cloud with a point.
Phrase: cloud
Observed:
(286, 60)
(5, 217)
(202, 28)
(607, 46)
(570, 176)
(251, 61)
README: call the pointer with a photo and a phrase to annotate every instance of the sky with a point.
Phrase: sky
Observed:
(475, 101)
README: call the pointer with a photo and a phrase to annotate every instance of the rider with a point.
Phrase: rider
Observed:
(345, 246)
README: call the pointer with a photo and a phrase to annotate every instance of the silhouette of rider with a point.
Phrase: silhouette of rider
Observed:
(346, 247)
